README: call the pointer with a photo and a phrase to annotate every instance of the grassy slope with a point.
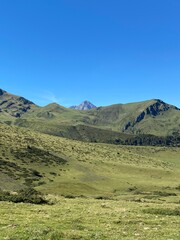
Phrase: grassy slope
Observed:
(164, 124)
(117, 116)
(56, 120)
(12, 105)
(136, 179)
(88, 219)
(72, 167)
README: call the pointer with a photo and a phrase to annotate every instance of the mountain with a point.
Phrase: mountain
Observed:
(152, 117)
(147, 117)
(13, 106)
(132, 123)
(86, 105)
(84, 182)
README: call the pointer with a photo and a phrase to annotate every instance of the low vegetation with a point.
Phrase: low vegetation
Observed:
(98, 191)
(88, 218)
(28, 195)
(163, 211)
(151, 122)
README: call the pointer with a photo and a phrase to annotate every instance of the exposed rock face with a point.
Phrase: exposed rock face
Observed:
(127, 126)
(86, 105)
(158, 107)
(140, 117)
(24, 100)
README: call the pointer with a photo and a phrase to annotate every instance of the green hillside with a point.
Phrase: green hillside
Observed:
(97, 191)
(13, 106)
(132, 123)
(150, 117)
(62, 166)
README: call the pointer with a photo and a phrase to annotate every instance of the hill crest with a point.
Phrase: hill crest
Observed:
(13, 105)
(153, 117)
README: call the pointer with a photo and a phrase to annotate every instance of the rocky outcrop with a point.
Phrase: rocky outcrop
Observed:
(127, 126)
(140, 117)
(158, 107)
(24, 101)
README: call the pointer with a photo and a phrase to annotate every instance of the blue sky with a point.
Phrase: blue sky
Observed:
(67, 51)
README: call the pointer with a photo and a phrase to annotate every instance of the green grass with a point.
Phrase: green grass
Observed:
(88, 219)
(62, 166)
(98, 191)
(102, 124)
(56, 120)
(12, 106)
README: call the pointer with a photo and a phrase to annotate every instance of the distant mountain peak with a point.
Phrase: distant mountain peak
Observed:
(86, 105)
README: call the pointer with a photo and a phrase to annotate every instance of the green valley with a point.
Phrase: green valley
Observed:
(96, 184)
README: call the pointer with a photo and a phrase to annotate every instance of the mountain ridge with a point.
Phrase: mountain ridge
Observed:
(14, 105)
(151, 117)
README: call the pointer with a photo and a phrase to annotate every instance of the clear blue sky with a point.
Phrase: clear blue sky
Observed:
(106, 51)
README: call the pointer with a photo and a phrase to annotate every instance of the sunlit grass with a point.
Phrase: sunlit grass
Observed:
(98, 191)
(82, 218)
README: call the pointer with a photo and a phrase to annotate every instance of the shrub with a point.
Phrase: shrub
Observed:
(178, 187)
(163, 211)
(69, 196)
(102, 198)
(28, 195)
(164, 194)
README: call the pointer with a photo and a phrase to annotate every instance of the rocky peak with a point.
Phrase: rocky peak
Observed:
(86, 105)
(157, 107)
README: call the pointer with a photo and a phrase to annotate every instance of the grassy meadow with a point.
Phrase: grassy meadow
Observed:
(97, 191)
(87, 218)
